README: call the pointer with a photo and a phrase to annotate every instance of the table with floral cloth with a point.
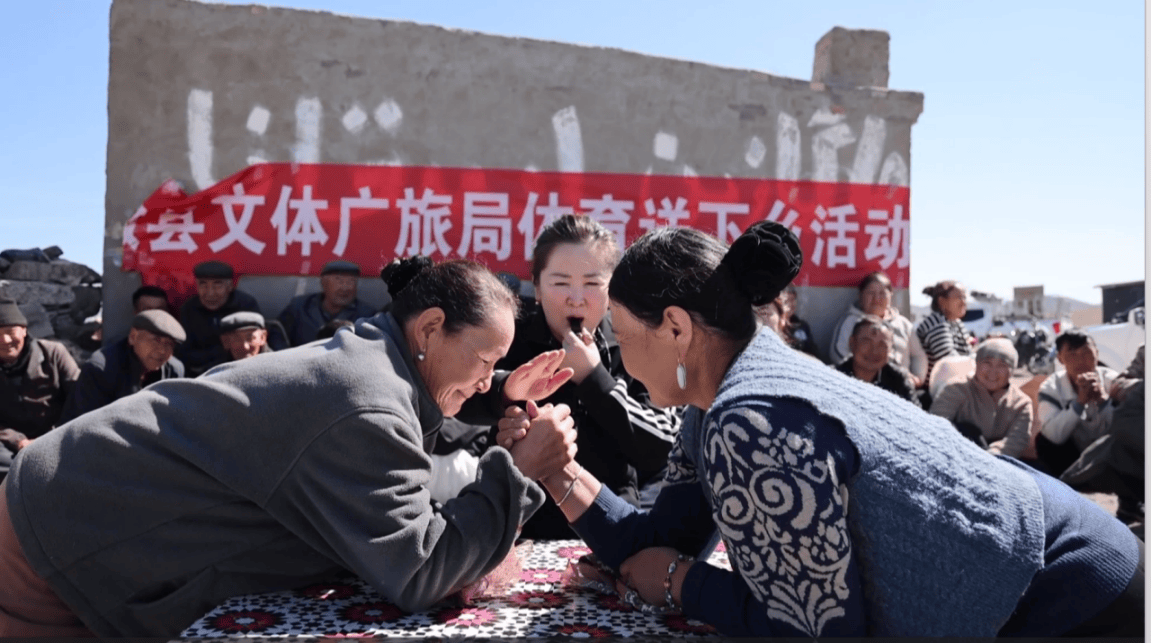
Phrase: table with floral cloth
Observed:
(538, 604)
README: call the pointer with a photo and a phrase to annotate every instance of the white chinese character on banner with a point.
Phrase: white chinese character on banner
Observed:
(671, 213)
(347, 203)
(238, 226)
(550, 211)
(130, 228)
(423, 222)
(840, 247)
(305, 228)
(726, 231)
(611, 214)
(788, 221)
(170, 224)
(486, 224)
(887, 240)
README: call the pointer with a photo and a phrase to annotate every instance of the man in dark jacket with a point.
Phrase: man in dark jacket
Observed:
(36, 377)
(870, 359)
(303, 317)
(141, 358)
(216, 298)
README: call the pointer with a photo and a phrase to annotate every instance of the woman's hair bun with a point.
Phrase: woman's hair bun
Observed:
(764, 260)
(400, 272)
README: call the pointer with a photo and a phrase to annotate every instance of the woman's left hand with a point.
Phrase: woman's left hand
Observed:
(645, 572)
(538, 378)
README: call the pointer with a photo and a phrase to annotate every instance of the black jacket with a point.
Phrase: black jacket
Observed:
(203, 349)
(110, 374)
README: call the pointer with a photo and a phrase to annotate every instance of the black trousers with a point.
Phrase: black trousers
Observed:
(1124, 616)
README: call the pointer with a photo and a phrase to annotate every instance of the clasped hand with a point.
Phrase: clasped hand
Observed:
(550, 444)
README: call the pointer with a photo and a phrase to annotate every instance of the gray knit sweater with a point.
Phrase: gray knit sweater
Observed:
(265, 474)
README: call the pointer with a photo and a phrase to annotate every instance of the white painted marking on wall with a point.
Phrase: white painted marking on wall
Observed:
(301, 285)
(257, 158)
(665, 146)
(309, 112)
(787, 151)
(393, 161)
(894, 171)
(355, 119)
(200, 137)
(869, 150)
(258, 120)
(689, 171)
(825, 151)
(824, 117)
(756, 151)
(569, 141)
(388, 116)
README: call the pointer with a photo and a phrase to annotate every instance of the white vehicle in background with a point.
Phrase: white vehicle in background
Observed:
(1119, 340)
(977, 319)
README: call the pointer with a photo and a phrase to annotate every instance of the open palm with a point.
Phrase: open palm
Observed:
(538, 378)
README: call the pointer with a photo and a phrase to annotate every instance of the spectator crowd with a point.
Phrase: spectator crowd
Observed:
(1084, 424)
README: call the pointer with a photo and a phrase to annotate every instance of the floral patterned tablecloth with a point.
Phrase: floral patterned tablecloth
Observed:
(538, 605)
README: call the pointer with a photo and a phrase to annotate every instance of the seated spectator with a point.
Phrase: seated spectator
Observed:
(149, 298)
(875, 292)
(244, 335)
(37, 378)
(305, 315)
(143, 357)
(1074, 406)
(796, 332)
(986, 407)
(216, 298)
(329, 329)
(942, 333)
(869, 349)
(1115, 462)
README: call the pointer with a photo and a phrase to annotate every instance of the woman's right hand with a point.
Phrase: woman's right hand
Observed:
(549, 444)
(537, 379)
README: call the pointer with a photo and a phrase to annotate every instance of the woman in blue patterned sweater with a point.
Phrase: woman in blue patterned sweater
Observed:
(844, 510)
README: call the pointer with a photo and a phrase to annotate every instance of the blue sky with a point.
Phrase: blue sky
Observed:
(1027, 164)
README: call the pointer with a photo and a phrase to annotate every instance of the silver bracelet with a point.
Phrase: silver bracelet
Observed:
(571, 486)
(681, 558)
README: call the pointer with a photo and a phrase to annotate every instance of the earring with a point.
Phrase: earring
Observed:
(420, 356)
(681, 375)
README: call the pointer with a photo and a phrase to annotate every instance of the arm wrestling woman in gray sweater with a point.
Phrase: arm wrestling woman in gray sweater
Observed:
(278, 471)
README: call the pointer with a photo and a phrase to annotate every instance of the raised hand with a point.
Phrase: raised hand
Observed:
(538, 379)
(580, 354)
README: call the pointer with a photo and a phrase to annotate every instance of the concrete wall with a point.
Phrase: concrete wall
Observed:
(197, 92)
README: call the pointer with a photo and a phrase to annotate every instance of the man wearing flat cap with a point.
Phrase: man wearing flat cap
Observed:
(36, 378)
(305, 315)
(244, 335)
(216, 298)
(143, 357)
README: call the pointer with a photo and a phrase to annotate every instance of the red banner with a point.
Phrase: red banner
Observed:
(286, 219)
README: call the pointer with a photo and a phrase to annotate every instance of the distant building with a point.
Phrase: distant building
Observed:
(1117, 298)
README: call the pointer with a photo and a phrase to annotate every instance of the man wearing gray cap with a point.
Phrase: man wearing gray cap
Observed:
(143, 357)
(36, 377)
(216, 298)
(306, 314)
(244, 335)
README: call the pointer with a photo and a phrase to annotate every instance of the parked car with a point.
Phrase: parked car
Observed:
(977, 319)
(1118, 341)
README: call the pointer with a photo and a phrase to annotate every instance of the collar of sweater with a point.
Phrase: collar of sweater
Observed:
(385, 326)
